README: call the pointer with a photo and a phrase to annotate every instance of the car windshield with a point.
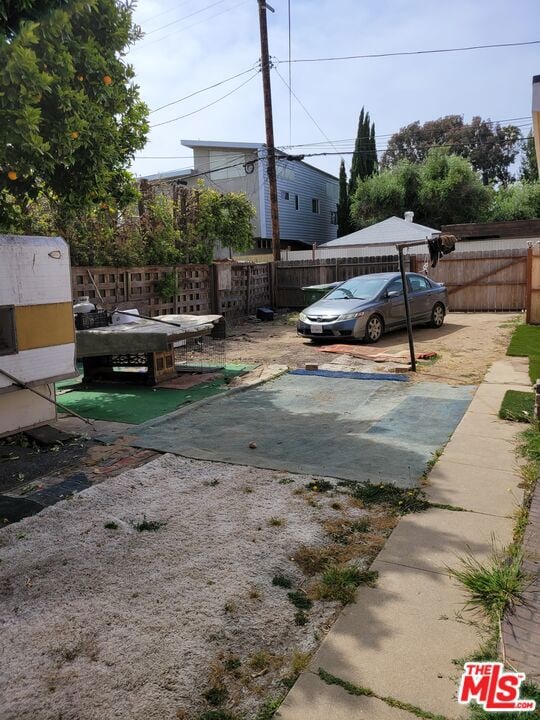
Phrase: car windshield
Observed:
(360, 288)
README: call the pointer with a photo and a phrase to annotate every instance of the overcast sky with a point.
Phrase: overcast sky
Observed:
(206, 41)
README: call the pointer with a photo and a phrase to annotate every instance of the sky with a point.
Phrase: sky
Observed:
(191, 44)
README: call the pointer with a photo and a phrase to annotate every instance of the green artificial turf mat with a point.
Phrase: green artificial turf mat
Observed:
(517, 406)
(525, 342)
(132, 404)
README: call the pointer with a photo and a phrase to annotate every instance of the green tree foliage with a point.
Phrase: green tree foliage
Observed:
(442, 189)
(529, 163)
(450, 190)
(71, 114)
(364, 159)
(519, 201)
(158, 236)
(343, 210)
(490, 147)
(224, 218)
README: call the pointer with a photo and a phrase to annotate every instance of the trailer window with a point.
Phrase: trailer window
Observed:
(8, 343)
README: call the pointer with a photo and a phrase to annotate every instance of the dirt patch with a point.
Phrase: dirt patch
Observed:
(170, 590)
(467, 344)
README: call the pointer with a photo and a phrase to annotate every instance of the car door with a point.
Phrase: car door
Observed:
(395, 304)
(420, 292)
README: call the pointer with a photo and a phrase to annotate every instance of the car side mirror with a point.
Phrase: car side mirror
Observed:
(393, 294)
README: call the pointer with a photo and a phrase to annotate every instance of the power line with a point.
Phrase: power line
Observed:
(290, 69)
(413, 52)
(198, 92)
(189, 27)
(193, 112)
(185, 17)
(166, 12)
(346, 152)
(304, 108)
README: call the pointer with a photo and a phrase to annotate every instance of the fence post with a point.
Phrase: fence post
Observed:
(214, 291)
(528, 287)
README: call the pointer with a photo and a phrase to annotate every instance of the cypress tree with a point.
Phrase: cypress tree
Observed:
(364, 161)
(343, 216)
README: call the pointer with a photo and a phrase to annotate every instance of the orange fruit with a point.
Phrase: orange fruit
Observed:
(80, 77)
(74, 135)
(107, 80)
(12, 175)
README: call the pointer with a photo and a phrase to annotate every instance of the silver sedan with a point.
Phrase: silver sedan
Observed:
(367, 306)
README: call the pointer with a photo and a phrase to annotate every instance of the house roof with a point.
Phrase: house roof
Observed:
(217, 144)
(387, 232)
(167, 175)
(221, 144)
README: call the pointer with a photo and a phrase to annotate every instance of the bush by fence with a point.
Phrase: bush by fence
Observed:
(232, 290)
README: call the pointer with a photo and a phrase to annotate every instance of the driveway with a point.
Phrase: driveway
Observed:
(353, 429)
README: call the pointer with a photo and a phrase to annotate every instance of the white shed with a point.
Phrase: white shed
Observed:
(37, 336)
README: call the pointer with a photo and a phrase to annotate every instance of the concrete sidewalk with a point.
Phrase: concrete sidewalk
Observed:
(400, 638)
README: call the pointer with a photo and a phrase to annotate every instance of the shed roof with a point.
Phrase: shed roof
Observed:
(389, 231)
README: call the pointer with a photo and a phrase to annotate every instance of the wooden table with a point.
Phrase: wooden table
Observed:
(144, 344)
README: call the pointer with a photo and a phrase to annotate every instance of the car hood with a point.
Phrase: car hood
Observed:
(331, 308)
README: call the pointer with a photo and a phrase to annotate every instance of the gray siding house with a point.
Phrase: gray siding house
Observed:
(307, 196)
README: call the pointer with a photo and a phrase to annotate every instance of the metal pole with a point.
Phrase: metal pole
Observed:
(25, 386)
(271, 151)
(407, 309)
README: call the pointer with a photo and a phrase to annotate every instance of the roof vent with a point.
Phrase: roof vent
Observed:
(409, 216)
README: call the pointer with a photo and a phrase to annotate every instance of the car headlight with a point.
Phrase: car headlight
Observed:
(302, 317)
(351, 316)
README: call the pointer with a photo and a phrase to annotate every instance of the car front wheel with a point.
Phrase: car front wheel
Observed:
(374, 329)
(437, 315)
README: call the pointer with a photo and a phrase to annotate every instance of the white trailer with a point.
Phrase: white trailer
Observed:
(37, 335)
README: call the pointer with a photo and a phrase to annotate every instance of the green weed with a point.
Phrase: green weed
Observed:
(148, 525)
(494, 585)
(340, 583)
(281, 581)
(300, 600)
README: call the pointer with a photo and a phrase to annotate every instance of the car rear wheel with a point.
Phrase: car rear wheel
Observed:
(437, 315)
(374, 329)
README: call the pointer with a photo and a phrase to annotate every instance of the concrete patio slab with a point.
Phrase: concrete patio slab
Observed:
(489, 396)
(338, 426)
(314, 699)
(481, 489)
(485, 425)
(434, 539)
(406, 623)
(489, 452)
(510, 371)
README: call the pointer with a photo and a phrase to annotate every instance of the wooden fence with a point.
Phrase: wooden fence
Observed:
(493, 280)
(232, 290)
(291, 276)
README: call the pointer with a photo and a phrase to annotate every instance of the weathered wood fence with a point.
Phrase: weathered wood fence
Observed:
(292, 275)
(232, 290)
(493, 280)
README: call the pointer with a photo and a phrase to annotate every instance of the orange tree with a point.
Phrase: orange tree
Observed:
(71, 115)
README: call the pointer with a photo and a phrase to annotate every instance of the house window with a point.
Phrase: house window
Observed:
(8, 341)
(296, 202)
(333, 217)
(315, 205)
(264, 243)
(285, 195)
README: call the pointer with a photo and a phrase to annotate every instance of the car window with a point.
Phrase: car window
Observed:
(418, 283)
(396, 286)
(364, 287)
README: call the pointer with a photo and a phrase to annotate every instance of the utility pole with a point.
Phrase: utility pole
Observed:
(270, 149)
